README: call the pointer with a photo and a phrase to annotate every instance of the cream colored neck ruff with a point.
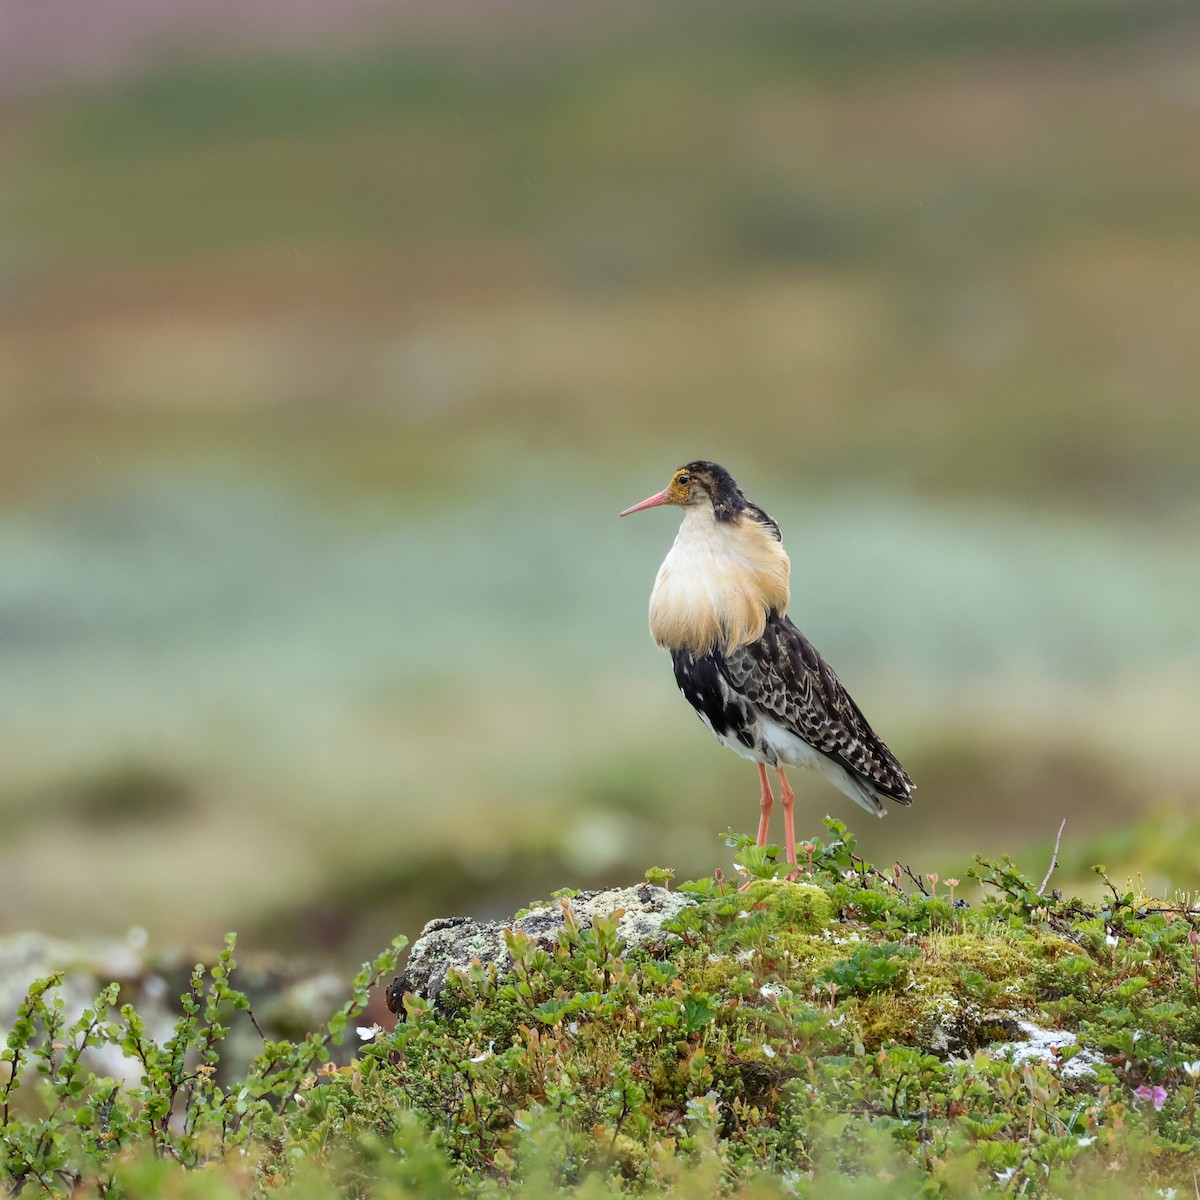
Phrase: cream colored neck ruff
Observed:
(718, 583)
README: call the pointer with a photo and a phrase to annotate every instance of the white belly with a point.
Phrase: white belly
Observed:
(779, 747)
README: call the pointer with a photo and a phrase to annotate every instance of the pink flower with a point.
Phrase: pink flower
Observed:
(1156, 1095)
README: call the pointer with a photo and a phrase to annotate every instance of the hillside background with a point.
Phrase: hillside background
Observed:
(334, 336)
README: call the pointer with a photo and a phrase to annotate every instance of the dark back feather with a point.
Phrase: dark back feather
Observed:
(783, 675)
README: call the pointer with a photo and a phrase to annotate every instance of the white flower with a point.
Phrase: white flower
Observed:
(484, 1055)
(769, 1051)
(1192, 1068)
(367, 1032)
(1086, 1141)
(1006, 1175)
(1111, 940)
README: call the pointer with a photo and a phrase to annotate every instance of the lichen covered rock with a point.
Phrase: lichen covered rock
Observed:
(453, 943)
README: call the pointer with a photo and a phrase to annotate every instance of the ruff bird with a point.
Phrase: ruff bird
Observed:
(719, 606)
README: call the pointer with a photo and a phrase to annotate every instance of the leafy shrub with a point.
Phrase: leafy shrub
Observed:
(68, 1128)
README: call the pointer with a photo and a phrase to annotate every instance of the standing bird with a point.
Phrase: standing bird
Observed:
(719, 605)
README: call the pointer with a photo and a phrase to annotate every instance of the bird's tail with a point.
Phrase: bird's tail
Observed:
(867, 797)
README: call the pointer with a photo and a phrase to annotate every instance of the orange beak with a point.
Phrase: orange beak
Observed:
(663, 497)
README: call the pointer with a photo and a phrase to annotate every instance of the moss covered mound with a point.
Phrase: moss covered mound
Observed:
(794, 1032)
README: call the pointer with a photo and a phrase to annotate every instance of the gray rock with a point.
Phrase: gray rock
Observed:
(454, 942)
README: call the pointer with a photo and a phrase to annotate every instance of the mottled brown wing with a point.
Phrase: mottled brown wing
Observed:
(783, 675)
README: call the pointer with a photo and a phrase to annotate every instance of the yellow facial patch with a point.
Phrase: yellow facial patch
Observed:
(680, 488)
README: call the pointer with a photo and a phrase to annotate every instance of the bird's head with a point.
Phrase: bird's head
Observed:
(698, 482)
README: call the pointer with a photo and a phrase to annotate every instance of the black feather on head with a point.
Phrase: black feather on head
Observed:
(727, 499)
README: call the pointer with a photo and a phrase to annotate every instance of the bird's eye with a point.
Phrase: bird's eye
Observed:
(683, 480)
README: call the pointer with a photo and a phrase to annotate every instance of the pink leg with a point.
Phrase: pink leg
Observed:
(764, 819)
(788, 798)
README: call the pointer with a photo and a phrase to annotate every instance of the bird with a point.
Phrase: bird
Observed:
(719, 606)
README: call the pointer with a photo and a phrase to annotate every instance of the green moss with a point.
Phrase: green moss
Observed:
(802, 955)
(796, 906)
(944, 1009)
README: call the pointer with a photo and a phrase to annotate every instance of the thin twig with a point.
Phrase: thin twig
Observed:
(1111, 887)
(254, 1022)
(1053, 857)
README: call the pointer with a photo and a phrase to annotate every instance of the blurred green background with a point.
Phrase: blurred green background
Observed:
(334, 336)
